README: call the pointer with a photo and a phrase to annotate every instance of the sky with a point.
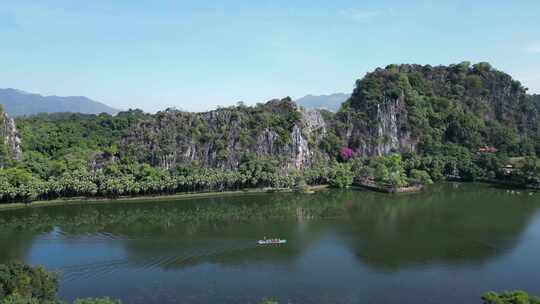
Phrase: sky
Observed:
(197, 55)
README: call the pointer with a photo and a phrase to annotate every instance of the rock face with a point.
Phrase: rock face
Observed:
(10, 136)
(221, 138)
(405, 108)
(414, 108)
(379, 130)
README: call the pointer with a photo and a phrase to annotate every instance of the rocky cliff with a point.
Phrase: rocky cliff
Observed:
(445, 110)
(10, 137)
(414, 108)
(401, 108)
(278, 129)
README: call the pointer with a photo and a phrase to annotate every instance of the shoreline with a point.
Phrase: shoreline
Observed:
(392, 190)
(209, 194)
(154, 198)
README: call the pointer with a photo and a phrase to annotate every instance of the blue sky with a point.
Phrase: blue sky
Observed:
(196, 55)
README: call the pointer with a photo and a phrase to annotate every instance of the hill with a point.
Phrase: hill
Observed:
(330, 102)
(403, 125)
(427, 110)
(416, 109)
(19, 103)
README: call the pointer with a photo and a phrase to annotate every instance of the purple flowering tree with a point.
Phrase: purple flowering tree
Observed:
(346, 153)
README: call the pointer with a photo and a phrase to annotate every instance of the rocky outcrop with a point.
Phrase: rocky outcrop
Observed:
(10, 136)
(415, 108)
(278, 129)
(380, 130)
(401, 108)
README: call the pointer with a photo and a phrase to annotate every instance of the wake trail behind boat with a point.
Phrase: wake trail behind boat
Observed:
(159, 262)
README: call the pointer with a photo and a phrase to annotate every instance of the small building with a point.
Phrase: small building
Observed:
(487, 149)
(508, 169)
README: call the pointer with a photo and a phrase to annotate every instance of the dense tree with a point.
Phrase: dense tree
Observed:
(514, 297)
(340, 175)
(29, 282)
(23, 284)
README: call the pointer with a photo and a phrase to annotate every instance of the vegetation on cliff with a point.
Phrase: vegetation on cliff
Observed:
(221, 138)
(428, 110)
(403, 125)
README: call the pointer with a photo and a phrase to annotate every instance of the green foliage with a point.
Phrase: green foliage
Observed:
(23, 284)
(469, 106)
(57, 143)
(420, 177)
(513, 297)
(449, 112)
(131, 179)
(18, 299)
(389, 171)
(19, 280)
(526, 172)
(340, 175)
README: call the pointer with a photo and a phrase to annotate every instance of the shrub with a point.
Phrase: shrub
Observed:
(420, 177)
(18, 299)
(22, 280)
(341, 176)
(510, 297)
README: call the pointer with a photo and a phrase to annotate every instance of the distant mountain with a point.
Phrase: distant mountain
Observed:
(330, 102)
(19, 103)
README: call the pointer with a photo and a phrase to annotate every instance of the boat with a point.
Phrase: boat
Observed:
(271, 242)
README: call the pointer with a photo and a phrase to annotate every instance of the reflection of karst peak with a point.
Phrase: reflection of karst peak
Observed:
(471, 224)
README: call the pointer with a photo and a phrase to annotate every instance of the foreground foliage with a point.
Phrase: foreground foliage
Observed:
(29, 282)
(514, 297)
(23, 284)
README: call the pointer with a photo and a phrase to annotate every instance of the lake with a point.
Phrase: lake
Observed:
(447, 245)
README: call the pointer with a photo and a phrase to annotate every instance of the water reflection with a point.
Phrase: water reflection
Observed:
(332, 235)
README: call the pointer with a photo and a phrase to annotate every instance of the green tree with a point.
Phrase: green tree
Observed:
(340, 175)
(509, 297)
(420, 177)
(29, 282)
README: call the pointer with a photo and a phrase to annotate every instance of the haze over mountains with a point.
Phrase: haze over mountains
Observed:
(330, 102)
(20, 103)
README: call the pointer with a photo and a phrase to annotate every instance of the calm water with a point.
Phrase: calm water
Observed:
(446, 246)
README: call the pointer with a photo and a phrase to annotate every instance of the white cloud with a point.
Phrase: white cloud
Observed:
(533, 48)
(360, 15)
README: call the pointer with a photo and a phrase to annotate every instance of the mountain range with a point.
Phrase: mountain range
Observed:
(330, 102)
(20, 103)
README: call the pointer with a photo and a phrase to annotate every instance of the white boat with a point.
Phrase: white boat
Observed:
(271, 241)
